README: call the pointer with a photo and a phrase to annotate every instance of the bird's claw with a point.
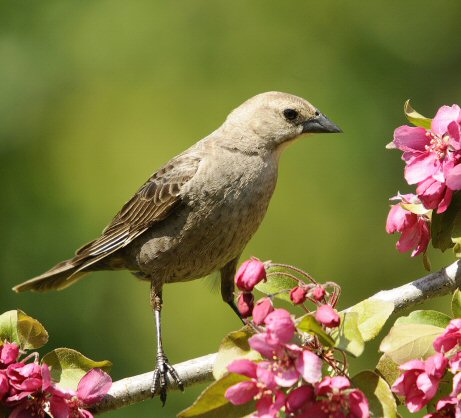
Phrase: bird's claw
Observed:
(160, 378)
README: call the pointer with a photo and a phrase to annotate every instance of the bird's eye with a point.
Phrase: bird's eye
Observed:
(290, 114)
(317, 113)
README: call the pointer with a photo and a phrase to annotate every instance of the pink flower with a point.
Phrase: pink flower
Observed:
(446, 407)
(245, 304)
(9, 353)
(298, 295)
(25, 379)
(336, 398)
(280, 326)
(92, 388)
(263, 308)
(288, 362)
(269, 405)
(327, 316)
(420, 381)
(250, 273)
(261, 382)
(318, 293)
(300, 399)
(414, 228)
(450, 338)
(434, 194)
(432, 157)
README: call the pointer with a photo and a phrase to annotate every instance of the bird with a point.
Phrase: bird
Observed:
(196, 214)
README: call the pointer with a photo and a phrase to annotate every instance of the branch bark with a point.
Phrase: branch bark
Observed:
(137, 388)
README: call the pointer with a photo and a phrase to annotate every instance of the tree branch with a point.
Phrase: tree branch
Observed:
(137, 388)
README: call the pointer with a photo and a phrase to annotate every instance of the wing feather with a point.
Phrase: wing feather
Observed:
(152, 203)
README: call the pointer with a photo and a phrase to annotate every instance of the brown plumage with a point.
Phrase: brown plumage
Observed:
(196, 214)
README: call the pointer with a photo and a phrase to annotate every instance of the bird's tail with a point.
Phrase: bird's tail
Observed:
(59, 277)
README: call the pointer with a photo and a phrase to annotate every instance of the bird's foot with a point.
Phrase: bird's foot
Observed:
(160, 380)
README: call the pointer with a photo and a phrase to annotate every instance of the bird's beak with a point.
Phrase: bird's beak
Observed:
(320, 124)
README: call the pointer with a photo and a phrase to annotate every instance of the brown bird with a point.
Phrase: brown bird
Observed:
(196, 214)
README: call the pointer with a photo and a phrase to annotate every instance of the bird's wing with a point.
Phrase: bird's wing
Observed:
(152, 203)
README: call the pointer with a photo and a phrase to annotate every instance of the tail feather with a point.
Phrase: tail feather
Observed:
(59, 277)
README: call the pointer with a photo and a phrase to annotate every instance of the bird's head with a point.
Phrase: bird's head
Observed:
(274, 119)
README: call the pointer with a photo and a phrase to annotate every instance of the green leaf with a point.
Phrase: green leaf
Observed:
(211, 403)
(234, 346)
(388, 369)
(381, 400)
(456, 304)
(309, 324)
(417, 209)
(16, 326)
(409, 341)
(347, 336)
(446, 226)
(415, 118)
(372, 315)
(68, 366)
(427, 317)
(278, 282)
(32, 334)
(9, 327)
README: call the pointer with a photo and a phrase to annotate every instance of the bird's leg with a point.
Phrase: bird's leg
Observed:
(227, 285)
(163, 367)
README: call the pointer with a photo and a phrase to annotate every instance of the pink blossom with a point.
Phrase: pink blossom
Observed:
(269, 405)
(414, 228)
(450, 338)
(300, 399)
(434, 194)
(298, 295)
(25, 379)
(250, 273)
(327, 316)
(420, 381)
(92, 388)
(9, 353)
(336, 398)
(288, 362)
(245, 303)
(261, 381)
(318, 293)
(455, 363)
(446, 407)
(263, 308)
(280, 326)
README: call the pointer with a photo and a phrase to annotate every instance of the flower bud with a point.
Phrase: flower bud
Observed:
(318, 293)
(263, 308)
(250, 273)
(298, 295)
(8, 353)
(327, 316)
(245, 304)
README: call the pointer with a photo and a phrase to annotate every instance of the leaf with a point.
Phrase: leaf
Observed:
(456, 304)
(415, 118)
(309, 324)
(372, 315)
(32, 334)
(27, 332)
(417, 209)
(278, 283)
(68, 366)
(234, 346)
(409, 341)
(9, 327)
(427, 317)
(381, 400)
(446, 226)
(388, 369)
(211, 403)
(347, 336)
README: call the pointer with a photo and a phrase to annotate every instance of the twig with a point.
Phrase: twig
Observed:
(137, 388)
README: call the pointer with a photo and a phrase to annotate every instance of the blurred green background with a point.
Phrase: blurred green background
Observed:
(96, 95)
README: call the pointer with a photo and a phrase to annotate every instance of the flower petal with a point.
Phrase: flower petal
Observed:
(309, 365)
(444, 116)
(242, 392)
(410, 138)
(94, 386)
(244, 367)
(421, 167)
